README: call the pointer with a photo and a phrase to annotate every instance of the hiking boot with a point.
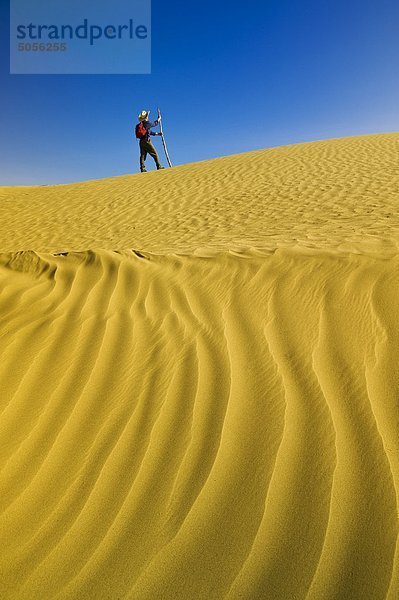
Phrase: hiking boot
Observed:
(160, 167)
(143, 170)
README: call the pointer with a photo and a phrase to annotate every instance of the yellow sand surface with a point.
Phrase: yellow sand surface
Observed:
(199, 380)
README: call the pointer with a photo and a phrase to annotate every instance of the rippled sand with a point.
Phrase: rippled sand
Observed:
(199, 380)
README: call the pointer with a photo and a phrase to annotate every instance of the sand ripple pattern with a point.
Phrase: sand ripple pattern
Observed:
(199, 428)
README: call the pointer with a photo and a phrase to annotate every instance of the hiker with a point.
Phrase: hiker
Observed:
(143, 132)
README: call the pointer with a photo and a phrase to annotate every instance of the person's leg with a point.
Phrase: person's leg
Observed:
(152, 152)
(143, 156)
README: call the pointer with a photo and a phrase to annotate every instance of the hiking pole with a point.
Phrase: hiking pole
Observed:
(163, 139)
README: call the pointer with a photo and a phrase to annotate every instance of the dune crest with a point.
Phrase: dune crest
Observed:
(208, 421)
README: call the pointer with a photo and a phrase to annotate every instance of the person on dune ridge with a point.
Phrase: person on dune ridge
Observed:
(143, 133)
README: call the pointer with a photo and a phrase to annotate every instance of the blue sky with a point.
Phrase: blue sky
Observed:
(229, 76)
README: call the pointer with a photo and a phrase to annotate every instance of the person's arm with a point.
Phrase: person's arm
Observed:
(153, 124)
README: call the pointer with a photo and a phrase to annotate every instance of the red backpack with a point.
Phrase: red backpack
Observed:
(141, 131)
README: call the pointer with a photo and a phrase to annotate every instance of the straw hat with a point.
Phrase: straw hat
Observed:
(144, 115)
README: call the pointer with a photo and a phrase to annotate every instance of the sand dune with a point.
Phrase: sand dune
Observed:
(199, 380)
(336, 194)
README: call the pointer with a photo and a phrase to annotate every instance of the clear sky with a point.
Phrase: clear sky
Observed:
(229, 76)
